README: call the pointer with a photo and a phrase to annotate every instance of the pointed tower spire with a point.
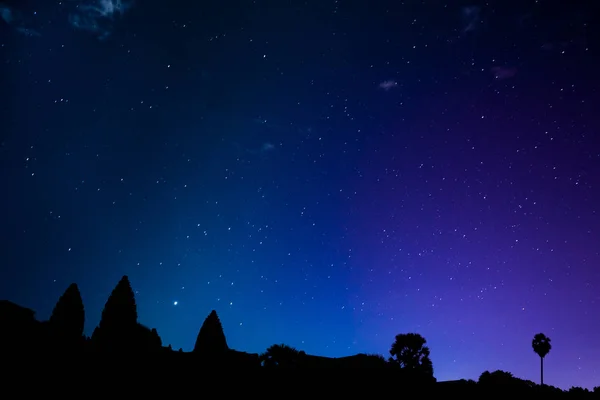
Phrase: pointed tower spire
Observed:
(211, 338)
(68, 317)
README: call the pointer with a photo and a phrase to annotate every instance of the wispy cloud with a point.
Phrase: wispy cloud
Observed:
(28, 32)
(471, 18)
(267, 146)
(94, 16)
(98, 16)
(6, 14)
(13, 18)
(503, 72)
(388, 85)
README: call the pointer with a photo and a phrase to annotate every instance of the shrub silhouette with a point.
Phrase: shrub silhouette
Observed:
(577, 392)
(211, 338)
(498, 377)
(281, 355)
(65, 326)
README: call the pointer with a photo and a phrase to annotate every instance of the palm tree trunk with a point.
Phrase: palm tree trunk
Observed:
(542, 369)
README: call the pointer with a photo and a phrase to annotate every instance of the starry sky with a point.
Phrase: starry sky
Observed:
(325, 174)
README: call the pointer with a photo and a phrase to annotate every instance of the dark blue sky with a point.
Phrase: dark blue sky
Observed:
(323, 174)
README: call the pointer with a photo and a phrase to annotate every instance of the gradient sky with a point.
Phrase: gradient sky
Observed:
(324, 174)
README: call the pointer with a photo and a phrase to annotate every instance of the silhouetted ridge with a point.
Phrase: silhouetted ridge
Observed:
(119, 333)
(20, 331)
(211, 338)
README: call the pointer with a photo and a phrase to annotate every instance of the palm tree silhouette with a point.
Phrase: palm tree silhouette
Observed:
(541, 345)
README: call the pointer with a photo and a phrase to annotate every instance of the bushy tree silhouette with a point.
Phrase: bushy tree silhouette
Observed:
(578, 392)
(498, 377)
(503, 384)
(118, 325)
(67, 320)
(281, 355)
(211, 338)
(541, 346)
(409, 352)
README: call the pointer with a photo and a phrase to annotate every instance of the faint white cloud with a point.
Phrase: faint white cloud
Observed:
(388, 85)
(29, 32)
(15, 19)
(94, 16)
(6, 14)
(268, 146)
(503, 72)
(263, 149)
(471, 18)
(98, 16)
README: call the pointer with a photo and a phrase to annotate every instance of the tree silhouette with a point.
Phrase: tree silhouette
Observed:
(281, 355)
(410, 353)
(541, 346)
(211, 338)
(118, 324)
(498, 377)
(577, 391)
(502, 384)
(67, 319)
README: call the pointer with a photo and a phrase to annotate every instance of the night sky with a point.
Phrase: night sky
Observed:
(325, 174)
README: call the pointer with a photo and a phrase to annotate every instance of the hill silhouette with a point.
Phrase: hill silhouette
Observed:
(120, 335)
